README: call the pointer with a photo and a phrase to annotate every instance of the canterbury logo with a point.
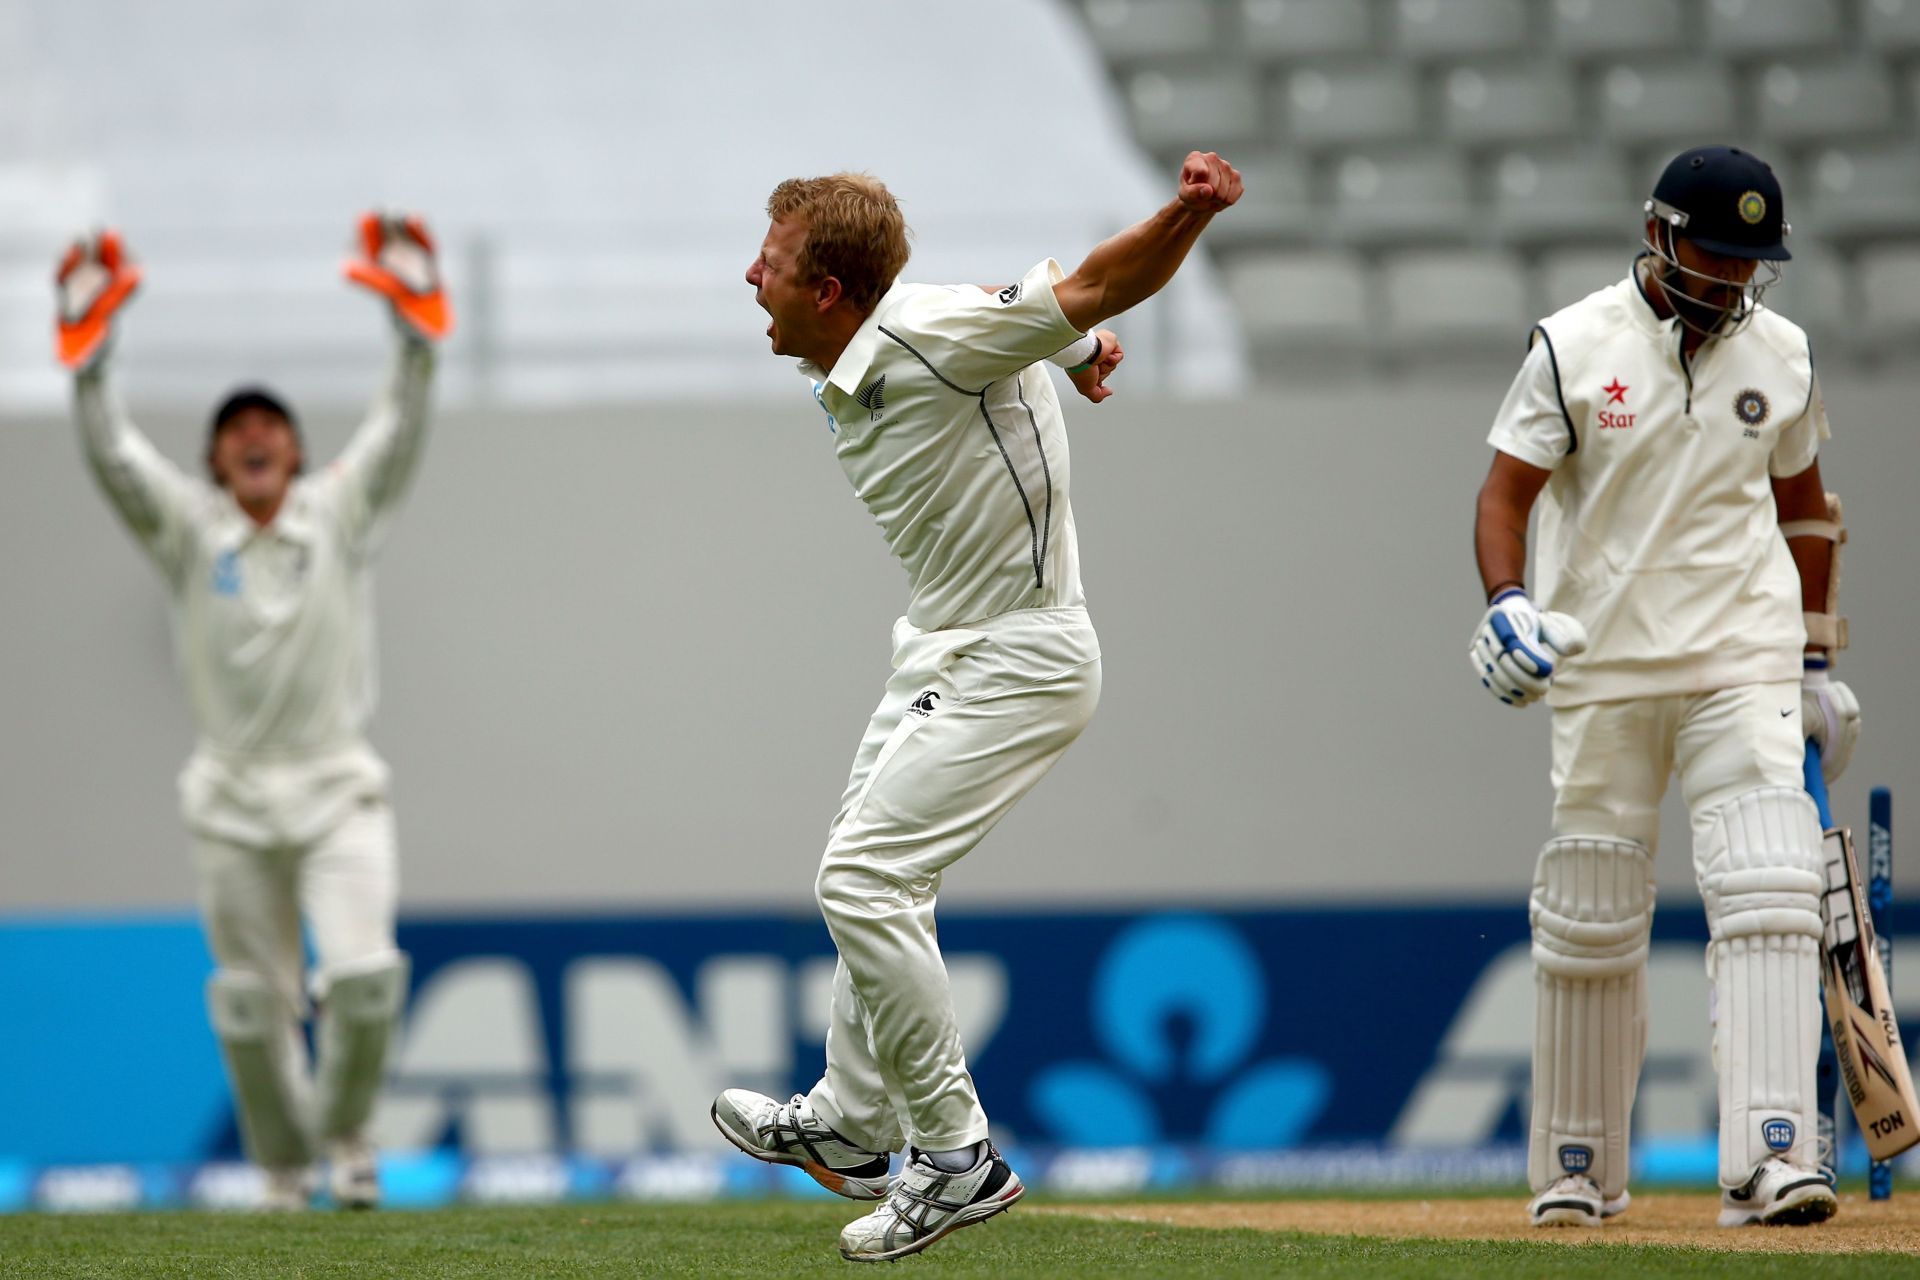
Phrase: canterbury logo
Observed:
(924, 704)
(873, 396)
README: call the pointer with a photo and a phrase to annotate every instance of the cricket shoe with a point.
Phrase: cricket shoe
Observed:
(286, 1190)
(353, 1174)
(790, 1133)
(1779, 1195)
(1575, 1201)
(926, 1204)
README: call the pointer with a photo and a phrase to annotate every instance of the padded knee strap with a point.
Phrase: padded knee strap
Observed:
(266, 1066)
(1760, 870)
(1592, 906)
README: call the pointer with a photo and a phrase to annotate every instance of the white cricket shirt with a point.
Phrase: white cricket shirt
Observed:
(954, 439)
(1658, 529)
(273, 624)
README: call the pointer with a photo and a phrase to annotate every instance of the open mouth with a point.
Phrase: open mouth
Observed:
(256, 463)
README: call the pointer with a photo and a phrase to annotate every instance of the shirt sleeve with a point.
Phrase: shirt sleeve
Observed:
(1532, 424)
(970, 338)
(1799, 442)
(371, 474)
(154, 498)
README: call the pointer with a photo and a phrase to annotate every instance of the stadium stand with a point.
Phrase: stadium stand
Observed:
(1516, 139)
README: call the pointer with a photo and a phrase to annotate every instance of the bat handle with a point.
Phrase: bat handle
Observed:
(1817, 785)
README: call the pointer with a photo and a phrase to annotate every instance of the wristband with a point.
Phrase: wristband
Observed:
(1500, 591)
(1078, 354)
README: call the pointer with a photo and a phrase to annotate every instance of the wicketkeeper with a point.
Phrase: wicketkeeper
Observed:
(269, 569)
(1673, 422)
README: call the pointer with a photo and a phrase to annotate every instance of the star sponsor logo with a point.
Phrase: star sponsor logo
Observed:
(1616, 393)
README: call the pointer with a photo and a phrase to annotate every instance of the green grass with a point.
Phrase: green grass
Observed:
(783, 1239)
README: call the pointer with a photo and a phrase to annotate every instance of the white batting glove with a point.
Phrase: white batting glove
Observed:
(1516, 649)
(1830, 715)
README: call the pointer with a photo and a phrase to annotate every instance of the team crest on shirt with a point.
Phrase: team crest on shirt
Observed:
(1751, 407)
(873, 397)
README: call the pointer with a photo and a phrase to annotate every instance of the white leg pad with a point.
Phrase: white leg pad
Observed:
(359, 1007)
(266, 1065)
(1760, 873)
(1592, 913)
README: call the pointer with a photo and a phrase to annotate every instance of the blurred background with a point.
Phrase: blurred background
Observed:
(1265, 924)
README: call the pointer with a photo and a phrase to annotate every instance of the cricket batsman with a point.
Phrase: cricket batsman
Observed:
(954, 439)
(269, 571)
(1680, 620)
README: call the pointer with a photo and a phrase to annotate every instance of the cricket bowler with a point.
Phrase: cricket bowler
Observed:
(1679, 621)
(269, 572)
(954, 439)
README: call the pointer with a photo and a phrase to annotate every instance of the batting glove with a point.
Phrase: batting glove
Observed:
(93, 281)
(397, 262)
(1516, 649)
(1830, 716)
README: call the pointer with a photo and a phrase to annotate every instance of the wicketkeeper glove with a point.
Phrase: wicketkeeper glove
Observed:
(397, 262)
(1516, 649)
(93, 281)
(1830, 716)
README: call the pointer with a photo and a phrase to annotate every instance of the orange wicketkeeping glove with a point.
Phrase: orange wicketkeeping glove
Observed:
(397, 262)
(95, 278)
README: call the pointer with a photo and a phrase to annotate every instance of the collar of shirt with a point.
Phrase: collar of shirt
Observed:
(858, 355)
(1640, 305)
(294, 522)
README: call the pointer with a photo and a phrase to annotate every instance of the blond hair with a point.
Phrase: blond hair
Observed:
(855, 232)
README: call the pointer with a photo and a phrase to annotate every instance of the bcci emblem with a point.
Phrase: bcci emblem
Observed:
(1751, 407)
(1778, 1135)
(1753, 207)
(1576, 1159)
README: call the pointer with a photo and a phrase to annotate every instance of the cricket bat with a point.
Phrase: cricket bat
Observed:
(1866, 1039)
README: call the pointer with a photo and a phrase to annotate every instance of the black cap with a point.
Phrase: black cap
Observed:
(245, 398)
(1725, 200)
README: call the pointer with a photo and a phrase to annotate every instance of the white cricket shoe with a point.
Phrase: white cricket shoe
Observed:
(353, 1174)
(926, 1204)
(286, 1190)
(790, 1133)
(1575, 1201)
(1779, 1195)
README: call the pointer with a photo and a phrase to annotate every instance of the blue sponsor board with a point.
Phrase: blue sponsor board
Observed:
(1277, 1047)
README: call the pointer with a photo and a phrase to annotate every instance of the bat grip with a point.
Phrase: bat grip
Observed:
(1817, 785)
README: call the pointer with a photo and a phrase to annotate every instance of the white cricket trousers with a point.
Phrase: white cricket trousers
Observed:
(345, 884)
(972, 718)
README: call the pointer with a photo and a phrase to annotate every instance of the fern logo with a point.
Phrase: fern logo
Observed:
(873, 397)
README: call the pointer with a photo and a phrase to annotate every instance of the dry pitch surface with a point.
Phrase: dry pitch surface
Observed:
(1679, 1219)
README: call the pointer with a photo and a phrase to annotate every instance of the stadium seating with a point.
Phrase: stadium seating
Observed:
(1520, 136)
(1773, 26)
(1508, 104)
(1304, 29)
(1833, 99)
(1557, 195)
(1305, 304)
(1890, 297)
(1607, 28)
(1441, 303)
(1375, 104)
(1446, 28)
